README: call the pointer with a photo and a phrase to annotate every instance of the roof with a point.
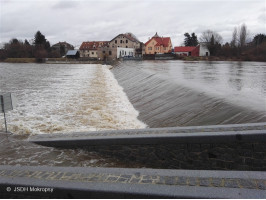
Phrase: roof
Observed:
(71, 52)
(62, 43)
(161, 41)
(184, 49)
(129, 36)
(93, 45)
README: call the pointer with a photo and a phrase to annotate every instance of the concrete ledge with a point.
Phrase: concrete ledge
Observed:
(76, 182)
(223, 147)
(200, 134)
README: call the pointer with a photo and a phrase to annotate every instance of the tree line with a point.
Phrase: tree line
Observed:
(39, 49)
(239, 47)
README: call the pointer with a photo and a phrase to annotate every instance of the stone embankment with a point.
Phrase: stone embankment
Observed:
(223, 147)
(216, 157)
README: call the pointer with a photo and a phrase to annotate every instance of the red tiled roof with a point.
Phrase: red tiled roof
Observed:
(161, 41)
(184, 49)
(93, 45)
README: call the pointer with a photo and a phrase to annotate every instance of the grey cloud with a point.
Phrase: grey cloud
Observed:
(79, 20)
(67, 4)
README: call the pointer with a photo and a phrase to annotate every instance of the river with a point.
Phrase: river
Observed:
(76, 98)
(180, 93)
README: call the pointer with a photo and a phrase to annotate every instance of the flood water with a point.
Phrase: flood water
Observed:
(179, 93)
(77, 98)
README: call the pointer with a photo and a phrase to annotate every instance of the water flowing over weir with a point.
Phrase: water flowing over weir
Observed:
(73, 98)
(61, 99)
(177, 93)
(66, 98)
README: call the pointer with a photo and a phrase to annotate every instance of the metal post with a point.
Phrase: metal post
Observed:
(3, 109)
(5, 120)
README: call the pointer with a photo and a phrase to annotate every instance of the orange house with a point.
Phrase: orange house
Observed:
(158, 45)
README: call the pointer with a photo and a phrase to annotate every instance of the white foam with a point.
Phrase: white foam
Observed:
(77, 98)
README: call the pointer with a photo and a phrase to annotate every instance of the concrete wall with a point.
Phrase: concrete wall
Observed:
(218, 147)
(207, 156)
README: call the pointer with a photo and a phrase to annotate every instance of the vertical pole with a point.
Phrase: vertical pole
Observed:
(3, 109)
(5, 120)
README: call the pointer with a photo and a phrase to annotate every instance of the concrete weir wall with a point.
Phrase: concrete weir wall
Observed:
(223, 147)
(205, 156)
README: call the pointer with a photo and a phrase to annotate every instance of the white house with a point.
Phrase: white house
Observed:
(122, 52)
(204, 50)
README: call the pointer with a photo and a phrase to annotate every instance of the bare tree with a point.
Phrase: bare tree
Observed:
(212, 41)
(208, 35)
(242, 35)
(234, 38)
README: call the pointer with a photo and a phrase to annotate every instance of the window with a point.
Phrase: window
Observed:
(103, 51)
(125, 53)
(126, 46)
(126, 41)
(92, 53)
(149, 48)
(121, 41)
(116, 41)
(110, 53)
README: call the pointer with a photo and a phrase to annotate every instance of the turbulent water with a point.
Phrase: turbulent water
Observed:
(76, 98)
(65, 98)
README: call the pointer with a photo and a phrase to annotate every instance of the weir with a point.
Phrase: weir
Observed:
(223, 161)
(220, 161)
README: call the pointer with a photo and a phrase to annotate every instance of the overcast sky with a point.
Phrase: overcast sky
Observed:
(76, 21)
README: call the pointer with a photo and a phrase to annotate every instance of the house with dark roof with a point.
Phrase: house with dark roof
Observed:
(72, 54)
(158, 45)
(119, 45)
(62, 47)
(93, 49)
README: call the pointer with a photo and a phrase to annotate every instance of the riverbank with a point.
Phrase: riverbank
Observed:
(57, 61)
(216, 58)
(88, 61)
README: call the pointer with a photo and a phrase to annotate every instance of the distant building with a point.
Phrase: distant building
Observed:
(204, 51)
(187, 51)
(120, 46)
(62, 47)
(94, 49)
(125, 52)
(72, 54)
(127, 40)
(199, 50)
(158, 45)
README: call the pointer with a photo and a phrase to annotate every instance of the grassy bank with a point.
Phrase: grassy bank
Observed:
(20, 60)
(57, 61)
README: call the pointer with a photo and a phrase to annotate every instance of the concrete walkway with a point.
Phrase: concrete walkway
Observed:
(75, 182)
